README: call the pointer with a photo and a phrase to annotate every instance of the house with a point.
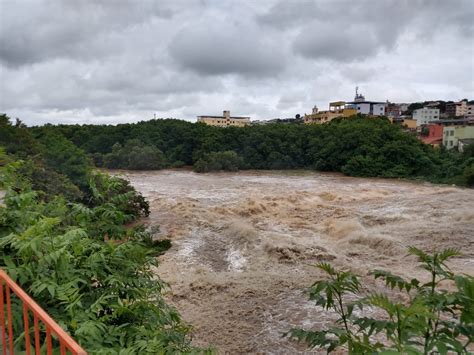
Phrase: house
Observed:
(336, 109)
(453, 134)
(425, 115)
(432, 134)
(405, 121)
(393, 110)
(456, 109)
(225, 120)
(371, 108)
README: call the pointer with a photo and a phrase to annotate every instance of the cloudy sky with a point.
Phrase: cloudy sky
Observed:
(111, 61)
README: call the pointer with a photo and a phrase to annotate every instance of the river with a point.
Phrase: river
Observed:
(244, 244)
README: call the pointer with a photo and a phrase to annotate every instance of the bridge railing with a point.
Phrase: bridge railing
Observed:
(40, 332)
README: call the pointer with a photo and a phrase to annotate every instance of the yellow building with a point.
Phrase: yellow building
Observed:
(404, 121)
(225, 120)
(336, 109)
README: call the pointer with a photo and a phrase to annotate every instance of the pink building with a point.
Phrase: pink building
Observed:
(434, 136)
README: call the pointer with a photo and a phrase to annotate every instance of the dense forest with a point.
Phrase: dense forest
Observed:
(358, 146)
(71, 237)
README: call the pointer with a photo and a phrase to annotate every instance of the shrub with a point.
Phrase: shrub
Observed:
(135, 155)
(216, 161)
(468, 175)
(104, 292)
(431, 320)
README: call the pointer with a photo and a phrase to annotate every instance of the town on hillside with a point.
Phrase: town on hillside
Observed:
(438, 123)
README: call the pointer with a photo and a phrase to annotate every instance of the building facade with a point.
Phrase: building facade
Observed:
(470, 111)
(226, 120)
(456, 109)
(425, 115)
(336, 109)
(370, 108)
(433, 134)
(453, 134)
(404, 121)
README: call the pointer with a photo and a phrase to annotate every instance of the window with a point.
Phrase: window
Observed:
(451, 133)
(451, 143)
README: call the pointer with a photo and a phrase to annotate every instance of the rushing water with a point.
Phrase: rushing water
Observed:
(244, 244)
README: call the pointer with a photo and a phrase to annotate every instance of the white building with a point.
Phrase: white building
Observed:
(371, 108)
(425, 115)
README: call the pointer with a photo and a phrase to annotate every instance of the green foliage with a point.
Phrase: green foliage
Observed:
(117, 191)
(217, 161)
(134, 155)
(357, 146)
(48, 181)
(95, 277)
(16, 138)
(430, 319)
(468, 174)
(65, 158)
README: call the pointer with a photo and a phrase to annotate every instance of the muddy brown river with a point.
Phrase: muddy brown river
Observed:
(244, 244)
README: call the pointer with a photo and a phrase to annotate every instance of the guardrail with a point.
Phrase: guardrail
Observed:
(44, 329)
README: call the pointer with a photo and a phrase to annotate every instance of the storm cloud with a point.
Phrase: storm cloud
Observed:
(65, 61)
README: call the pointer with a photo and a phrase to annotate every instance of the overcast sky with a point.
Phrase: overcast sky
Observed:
(111, 61)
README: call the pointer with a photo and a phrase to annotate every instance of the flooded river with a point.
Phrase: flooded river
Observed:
(244, 244)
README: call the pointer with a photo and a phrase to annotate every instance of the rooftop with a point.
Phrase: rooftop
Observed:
(365, 102)
(454, 121)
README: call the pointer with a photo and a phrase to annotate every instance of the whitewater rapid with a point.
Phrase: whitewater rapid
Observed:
(244, 244)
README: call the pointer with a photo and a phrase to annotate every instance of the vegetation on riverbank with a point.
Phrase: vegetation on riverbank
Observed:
(359, 146)
(66, 238)
(428, 319)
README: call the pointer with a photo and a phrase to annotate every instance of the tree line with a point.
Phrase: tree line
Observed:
(358, 146)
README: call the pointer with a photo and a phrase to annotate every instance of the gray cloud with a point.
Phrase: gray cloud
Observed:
(123, 60)
(34, 31)
(214, 47)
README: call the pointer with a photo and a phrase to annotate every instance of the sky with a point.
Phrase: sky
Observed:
(115, 61)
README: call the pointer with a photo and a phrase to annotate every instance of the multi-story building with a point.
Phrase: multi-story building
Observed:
(371, 108)
(425, 115)
(456, 109)
(393, 110)
(225, 120)
(336, 109)
(453, 134)
(433, 133)
(470, 111)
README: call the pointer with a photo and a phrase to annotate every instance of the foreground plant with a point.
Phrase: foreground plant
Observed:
(431, 320)
(95, 277)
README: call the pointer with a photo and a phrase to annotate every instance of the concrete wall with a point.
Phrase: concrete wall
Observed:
(224, 121)
(378, 109)
(425, 115)
(452, 134)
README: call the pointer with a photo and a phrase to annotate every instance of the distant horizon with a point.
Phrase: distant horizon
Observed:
(194, 120)
(265, 59)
